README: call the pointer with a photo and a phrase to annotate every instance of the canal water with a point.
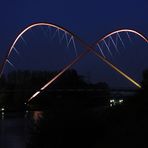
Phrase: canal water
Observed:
(102, 127)
(37, 129)
(13, 130)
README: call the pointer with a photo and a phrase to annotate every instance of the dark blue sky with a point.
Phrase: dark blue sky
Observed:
(89, 19)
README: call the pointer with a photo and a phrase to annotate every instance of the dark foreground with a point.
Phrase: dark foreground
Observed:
(121, 126)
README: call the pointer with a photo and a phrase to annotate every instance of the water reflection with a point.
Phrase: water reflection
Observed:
(17, 129)
(50, 128)
(72, 128)
(2, 113)
(12, 130)
(60, 128)
(37, 116)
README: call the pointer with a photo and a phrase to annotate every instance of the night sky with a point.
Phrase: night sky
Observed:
(89, 19)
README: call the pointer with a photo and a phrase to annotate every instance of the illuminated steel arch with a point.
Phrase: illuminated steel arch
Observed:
(23, 32)
(123, 30)
(85, 45)
(90, 48)
(112, 39)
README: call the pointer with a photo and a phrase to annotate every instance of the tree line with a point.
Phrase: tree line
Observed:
(17, 86)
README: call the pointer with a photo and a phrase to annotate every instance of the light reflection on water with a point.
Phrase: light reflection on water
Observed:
(65, 128)
(37, 116)
(2, 115)
(12, 131)
(14, 128)
(32, 129)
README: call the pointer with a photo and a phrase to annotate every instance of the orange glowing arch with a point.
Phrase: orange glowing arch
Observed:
(85, 45)
(123, 30)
